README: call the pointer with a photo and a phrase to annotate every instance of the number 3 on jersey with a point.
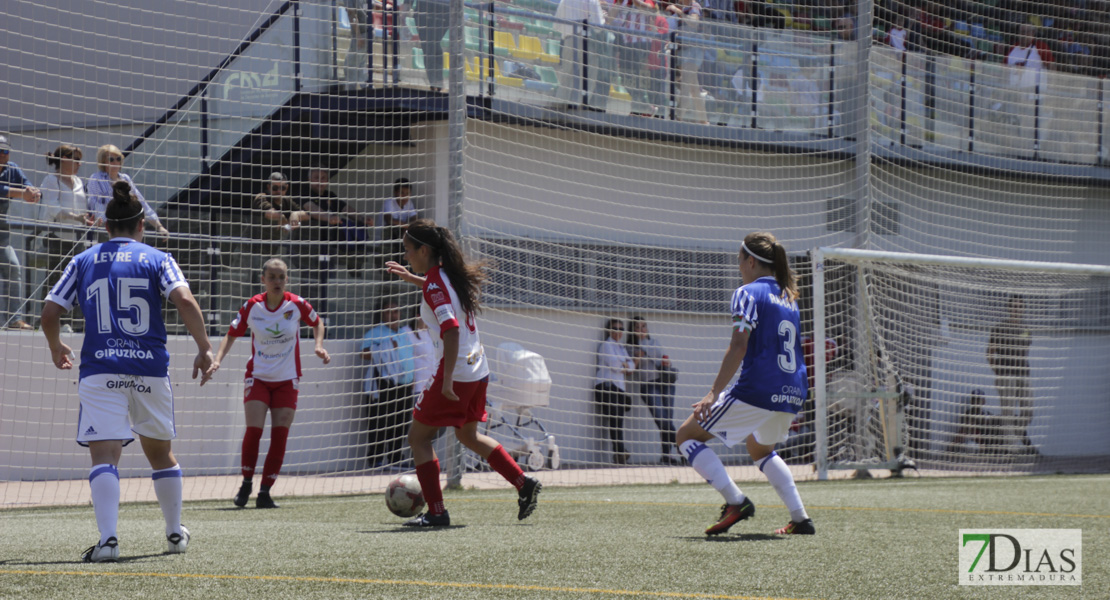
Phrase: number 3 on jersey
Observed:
(133, 311)
(788, 360)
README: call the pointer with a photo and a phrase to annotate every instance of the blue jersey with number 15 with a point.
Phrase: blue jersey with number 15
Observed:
(119, 285)
(773, 374)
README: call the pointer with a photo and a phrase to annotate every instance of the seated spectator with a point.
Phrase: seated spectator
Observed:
(64, 202)
(14, 185)
(333, 228)
(896, 37)
(275, 217)
(396, 216)
(109, 162)
(1028, 58)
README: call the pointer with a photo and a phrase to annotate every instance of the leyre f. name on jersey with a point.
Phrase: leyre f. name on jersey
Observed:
(441, 311)
(275, 335)
(120, 285)
(773, 374)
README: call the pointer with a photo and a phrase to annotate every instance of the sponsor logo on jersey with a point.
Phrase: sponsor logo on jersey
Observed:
(444, 313)
(433, 286)
(128, 384)
(275, 331)
(90, 431)
(124, 353)
(438, 298)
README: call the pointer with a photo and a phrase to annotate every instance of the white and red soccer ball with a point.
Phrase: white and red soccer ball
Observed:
(404, 497)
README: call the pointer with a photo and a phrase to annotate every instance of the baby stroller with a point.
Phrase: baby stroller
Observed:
(519, 382)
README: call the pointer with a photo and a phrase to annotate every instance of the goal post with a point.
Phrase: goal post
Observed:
(962, 364)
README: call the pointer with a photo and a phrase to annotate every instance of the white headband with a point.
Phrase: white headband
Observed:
(754, 255)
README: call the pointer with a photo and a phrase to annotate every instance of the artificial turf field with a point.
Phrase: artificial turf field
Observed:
(875, 539)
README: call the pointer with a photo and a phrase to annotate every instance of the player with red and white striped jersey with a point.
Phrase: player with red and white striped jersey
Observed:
(273, 372)
(457, 396)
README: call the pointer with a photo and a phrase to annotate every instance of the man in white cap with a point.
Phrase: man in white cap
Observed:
(13, 185)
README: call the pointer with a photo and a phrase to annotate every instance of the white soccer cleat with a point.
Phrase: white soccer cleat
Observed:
(106, 552)
(177, 542)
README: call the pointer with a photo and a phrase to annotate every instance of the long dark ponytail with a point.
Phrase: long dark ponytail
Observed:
(467, 278)
(766, 249)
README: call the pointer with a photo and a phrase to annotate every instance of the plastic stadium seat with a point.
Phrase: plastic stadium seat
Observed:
(619, 93)
(530, 48)
(472, 70)
(504, 43)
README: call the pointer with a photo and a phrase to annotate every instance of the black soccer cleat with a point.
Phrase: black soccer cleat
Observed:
(243, 496)
(797, 528)
(265, 501)
(732, 514)
(529, 496)
(429, 520)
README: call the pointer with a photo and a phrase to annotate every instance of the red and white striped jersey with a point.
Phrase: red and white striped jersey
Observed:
(441, 311)
(275, 335)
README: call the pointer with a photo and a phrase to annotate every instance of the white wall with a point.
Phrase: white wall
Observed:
(39, 406)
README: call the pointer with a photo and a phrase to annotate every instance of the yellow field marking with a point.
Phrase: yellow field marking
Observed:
(431, 584)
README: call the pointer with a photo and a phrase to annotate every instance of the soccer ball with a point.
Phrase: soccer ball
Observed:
(403, 497)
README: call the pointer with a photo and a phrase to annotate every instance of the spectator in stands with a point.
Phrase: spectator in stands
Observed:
(396, 216)
(275, 217)
(14, 185)
(570, 67)
(613, 366)
(632, 48)
(64, 203)
(357, 61)
(658, 71)
(1028, 60)
(656, 379)
(432, 20)
(331, 225)
(896, 37)
(1008, 356)
(388, 387)
(691, 104)
(719, 22)
(109, 162)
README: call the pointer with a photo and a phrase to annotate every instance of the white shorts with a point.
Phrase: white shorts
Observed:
(732, 421)
(108, 400)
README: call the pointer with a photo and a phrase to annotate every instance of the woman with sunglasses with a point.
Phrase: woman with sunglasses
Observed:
(109, 162)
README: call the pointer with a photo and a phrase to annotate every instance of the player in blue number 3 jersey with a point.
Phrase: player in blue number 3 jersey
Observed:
(124, 363)
(771, 389)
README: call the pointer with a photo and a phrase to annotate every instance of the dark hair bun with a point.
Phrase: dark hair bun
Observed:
(121, 189)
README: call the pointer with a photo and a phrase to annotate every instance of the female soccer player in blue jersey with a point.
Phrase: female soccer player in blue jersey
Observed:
(124, 385)
(771, 388)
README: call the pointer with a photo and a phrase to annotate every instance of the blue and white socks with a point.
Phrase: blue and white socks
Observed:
(167, 487)
(707, 464)
(104, 484)
(776, 472)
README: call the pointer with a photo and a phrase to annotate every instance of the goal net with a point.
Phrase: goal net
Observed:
(959, 364)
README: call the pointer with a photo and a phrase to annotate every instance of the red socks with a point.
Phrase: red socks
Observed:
(250, 450)
(428, 475)
(500, 461)
(276, 455)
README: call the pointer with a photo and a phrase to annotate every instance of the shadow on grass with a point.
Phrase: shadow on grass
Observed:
(42, 563)
(742, 537)
(403, 529)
